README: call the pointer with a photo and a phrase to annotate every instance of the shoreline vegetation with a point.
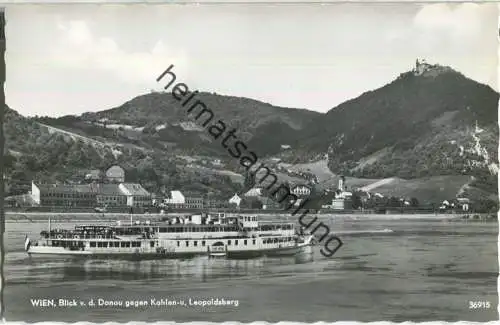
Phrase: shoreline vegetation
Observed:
(62, 217)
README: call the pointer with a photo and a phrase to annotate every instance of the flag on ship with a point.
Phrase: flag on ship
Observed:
(27, 243)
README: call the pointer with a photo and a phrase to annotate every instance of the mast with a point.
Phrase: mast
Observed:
(49, 226)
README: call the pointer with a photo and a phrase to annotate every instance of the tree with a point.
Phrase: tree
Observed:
(249, 181)
(250, 203)
(9, 162)
(356, 201)
(394, 202)
(486, 206)
(414, 202)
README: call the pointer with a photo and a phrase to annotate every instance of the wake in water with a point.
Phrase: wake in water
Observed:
(368, 231)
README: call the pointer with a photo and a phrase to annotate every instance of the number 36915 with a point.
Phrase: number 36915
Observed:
(479, 304)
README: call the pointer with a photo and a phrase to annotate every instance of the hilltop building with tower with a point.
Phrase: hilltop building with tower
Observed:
(422, 68)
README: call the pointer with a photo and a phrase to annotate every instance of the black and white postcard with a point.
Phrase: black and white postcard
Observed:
(246, 162)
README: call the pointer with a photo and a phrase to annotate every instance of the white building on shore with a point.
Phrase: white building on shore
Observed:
(176, 197)
(235, 199)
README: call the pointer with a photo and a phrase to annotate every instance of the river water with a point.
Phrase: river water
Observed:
(421, 271)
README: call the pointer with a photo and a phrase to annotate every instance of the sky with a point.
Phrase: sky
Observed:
(70, 59)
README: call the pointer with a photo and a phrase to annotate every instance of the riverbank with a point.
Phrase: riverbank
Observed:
(113, 217)
(156, 210)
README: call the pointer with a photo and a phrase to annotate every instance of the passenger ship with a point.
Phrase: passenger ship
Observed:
(205, 234)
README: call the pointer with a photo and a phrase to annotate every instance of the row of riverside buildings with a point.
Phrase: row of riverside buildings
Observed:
(177, 200)
(90, 195)
(106, 189)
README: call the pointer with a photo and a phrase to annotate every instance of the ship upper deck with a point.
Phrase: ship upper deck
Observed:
(177, 224)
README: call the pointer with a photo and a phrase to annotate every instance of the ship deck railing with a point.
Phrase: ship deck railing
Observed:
(79, 237)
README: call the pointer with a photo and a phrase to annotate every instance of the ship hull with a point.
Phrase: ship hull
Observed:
(305, 248)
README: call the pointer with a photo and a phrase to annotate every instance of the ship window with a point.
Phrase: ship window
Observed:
(245, 242)
(236, 242)
(202, 243)
(195, 243)
(99, 244)
(187, 243)
(253, 241)
(152, 244)
(122, 244)
(127, 244)
(117, 244)
(178, 243)
(229, 242)
(105, 244)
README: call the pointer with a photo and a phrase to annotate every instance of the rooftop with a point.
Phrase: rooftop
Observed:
(59, 188)
(107, 189)
(135, 189)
